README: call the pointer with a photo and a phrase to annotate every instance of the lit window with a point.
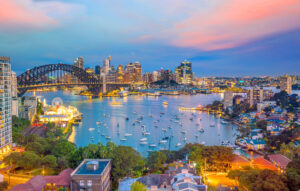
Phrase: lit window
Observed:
(81, 182)
(89, 183)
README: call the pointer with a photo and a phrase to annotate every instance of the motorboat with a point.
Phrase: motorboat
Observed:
(98, 122)
(128, 134)
(163, 141)
(107, 137)
(143, 139)
(91, 129)
(144, 143)
(124, 139)
(178, 144)
(153, 145)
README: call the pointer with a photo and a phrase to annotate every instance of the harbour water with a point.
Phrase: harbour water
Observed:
(145, 123)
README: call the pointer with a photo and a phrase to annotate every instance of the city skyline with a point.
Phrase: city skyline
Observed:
(220, 39)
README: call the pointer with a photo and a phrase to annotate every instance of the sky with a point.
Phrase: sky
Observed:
(219, 37)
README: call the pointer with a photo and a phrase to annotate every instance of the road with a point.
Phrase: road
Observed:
(15, 180)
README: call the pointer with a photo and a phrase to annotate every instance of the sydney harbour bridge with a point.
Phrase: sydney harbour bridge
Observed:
(52, 75)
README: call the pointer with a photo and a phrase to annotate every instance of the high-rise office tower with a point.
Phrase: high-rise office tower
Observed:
(228, 99)
(79, 62)
(14, 95)
(106, 66)
(5, 105)
(183, 73)
(255, 95)
(286, 84)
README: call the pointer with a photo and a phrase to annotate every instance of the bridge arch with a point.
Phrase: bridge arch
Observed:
(32, 76)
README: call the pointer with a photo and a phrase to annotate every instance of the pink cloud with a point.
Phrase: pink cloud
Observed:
(18, 15)
(30, 14)
(236, 22)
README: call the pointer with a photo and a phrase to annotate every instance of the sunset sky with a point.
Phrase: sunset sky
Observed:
(220, 37)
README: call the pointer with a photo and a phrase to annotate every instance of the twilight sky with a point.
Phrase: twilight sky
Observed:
(220, 37)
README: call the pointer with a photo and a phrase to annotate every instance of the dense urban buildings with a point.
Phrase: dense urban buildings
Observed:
(5, 105)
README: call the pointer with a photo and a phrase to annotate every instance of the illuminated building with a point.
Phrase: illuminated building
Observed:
(286, 84)
(79, 62)
(155, 76)
(14, 95)
(147, 77)
(106, 66)
(228, 99)
(133, 72)
(120, 73)
(183, 73)
(255, 95)
(5, 105)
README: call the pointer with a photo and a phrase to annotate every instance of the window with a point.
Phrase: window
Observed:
(89, 183)
(81, 182)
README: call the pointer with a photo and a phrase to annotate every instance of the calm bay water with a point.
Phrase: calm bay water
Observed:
(157, 120)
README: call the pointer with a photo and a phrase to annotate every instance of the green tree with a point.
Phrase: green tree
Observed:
(293, 174)
(137, 186)
(29, 160)
(125, 161)
(259, 180)
(3, 186)
(63, 148)
(13, 158)
(49, 161)
(35, 147)
(155, 160)
(288, 150)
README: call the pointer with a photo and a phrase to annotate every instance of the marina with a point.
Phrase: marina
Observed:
(147, 123)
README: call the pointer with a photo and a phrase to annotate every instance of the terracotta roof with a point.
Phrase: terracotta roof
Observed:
(38, 182)
(262, 163)
(239, 159)
(280, 160)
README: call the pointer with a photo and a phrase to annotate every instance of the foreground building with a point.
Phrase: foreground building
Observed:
(93, 175)
(5, 105)
(45, 183)
(182, 179)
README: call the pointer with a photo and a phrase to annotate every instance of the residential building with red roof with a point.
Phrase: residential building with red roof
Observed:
(280, 161)
(239, 162)
(262, 163)
(41, 183)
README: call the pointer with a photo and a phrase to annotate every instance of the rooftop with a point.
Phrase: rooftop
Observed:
(280, 160)
(91, 167)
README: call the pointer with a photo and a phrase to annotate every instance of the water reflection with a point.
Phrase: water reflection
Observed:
(139, 118)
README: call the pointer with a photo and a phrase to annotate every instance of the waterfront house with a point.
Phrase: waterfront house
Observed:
(92, 174)
(255, 144)
(280, 161)
(45, 183)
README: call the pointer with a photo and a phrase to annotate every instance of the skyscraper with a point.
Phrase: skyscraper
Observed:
(228, 99)
(106, 66)
(14, 95)
(5, 105)
(286, 84)
(79, 62)
(183, 73)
